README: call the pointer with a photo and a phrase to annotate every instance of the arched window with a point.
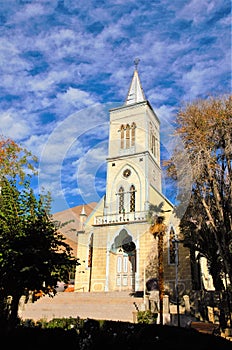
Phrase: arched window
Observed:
(132, 198)
(171, 251)
(153, 142)
(133, 126)
(90, 254)
(121, 200)
(122, 136)
(128, 136)
(119, 264)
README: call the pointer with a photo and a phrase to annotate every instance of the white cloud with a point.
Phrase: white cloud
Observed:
(58, 58)
(197, 10)
(13, 126)
(28, 12)
(73, 98)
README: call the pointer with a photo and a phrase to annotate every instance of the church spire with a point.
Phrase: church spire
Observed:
(135, 93)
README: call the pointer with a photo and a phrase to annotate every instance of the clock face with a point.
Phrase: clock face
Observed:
(126, 173)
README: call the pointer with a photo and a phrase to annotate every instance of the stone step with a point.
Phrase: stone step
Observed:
(116, 306)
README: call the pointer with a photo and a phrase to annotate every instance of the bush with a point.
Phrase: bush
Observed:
(147, 317)
(91, 334)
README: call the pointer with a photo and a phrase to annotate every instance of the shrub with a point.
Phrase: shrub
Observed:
(147, 317)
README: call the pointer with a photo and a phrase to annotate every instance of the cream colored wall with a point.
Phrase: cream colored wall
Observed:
(146, 250)
(146, 246)
(112, 271)
(136, 114)
(82, 270)
(155, 197)
(145, 168)
(153, 173)
(98, 211)
(115, 180)
(99, 269)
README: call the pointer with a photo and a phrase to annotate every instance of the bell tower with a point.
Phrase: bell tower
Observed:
(133, 163)
(116, 236)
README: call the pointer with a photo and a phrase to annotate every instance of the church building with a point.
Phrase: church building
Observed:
(117, 252)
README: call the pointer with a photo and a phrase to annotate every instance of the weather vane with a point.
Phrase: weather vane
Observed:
(136, 62)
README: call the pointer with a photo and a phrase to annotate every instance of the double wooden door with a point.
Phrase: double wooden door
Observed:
(125, 271)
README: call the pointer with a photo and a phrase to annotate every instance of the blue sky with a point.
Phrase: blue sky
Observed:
(65, 63)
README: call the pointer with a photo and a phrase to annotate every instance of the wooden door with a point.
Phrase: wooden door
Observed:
(125, 271)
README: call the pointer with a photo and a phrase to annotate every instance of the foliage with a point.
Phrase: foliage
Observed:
(156, 222)
(147, 317)
(93, 334)
(15, 159)
(153, 212)
(205, 128)
(64, 323)
(33, 254)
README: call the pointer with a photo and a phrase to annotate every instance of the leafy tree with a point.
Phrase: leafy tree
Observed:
(205, 128)
(15, 159)
(33, 254)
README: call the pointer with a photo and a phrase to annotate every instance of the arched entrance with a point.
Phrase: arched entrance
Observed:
(124, 257)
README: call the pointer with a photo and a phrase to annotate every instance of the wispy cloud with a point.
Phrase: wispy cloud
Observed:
(60, 58)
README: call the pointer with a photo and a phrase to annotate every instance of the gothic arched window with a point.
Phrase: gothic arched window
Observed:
(172, 250)
(90, 254)
(122, 136)
(121, 200)
(128, 136)
(153, 145)
(132, 198)
(133, 126)
(153, 142)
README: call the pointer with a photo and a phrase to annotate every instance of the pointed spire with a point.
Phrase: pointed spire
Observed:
(135, 93)
(83, 213)
(83, 217)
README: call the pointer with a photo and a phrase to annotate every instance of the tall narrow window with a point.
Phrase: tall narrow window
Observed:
(133, 126)
(119, 264)
(90, 255)
(172, 252)
(122, 136)
(156, 146)
(128, 136)
(132, 198)
(121, 200)
(153, 144)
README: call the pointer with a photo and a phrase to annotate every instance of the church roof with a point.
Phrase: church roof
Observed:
(71, 218)
(135, 93)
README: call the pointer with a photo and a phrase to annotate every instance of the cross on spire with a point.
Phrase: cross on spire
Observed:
(136, 62)
(135, 93)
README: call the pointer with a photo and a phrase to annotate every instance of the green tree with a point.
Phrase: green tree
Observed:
(205, 128)
(15, 159)
(33, 254)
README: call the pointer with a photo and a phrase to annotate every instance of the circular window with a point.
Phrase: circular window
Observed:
(126, 173)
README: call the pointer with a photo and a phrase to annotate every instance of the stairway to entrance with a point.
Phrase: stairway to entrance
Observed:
(115, 306)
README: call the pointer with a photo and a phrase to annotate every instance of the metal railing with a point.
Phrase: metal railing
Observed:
(120, 218)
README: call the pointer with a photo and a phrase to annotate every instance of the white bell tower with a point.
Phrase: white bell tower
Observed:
(133, 163)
